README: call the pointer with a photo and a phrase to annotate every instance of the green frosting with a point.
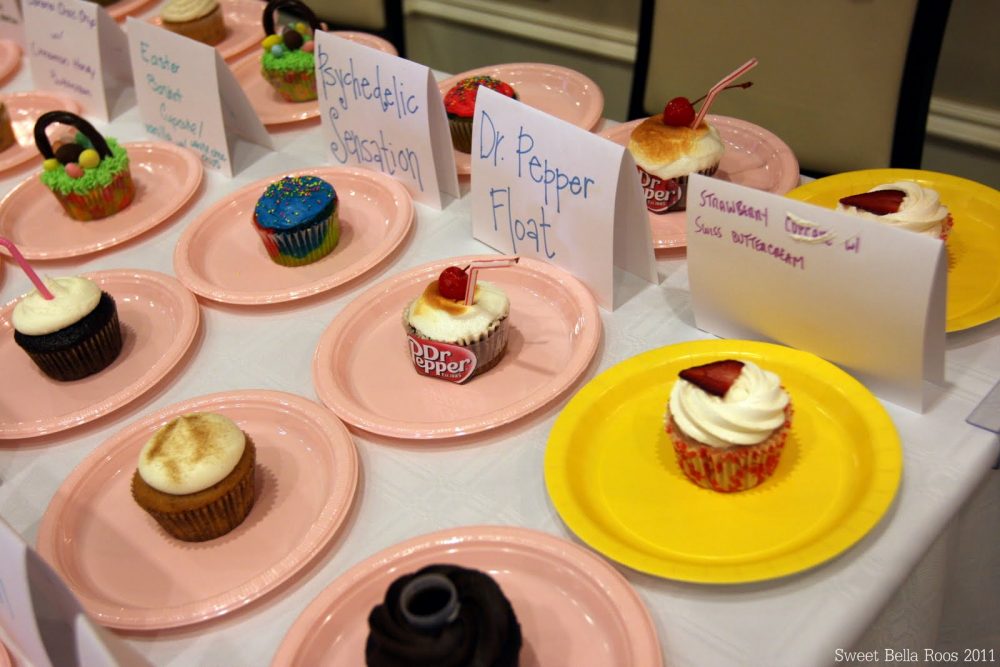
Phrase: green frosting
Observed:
(290, 61)
(92, 179)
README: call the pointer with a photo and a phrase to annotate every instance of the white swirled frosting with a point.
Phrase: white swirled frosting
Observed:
(750, 411)
(671, 152)
(191, 453)
(74, 298)
(920, 211)
(448, 321)
(178, 11)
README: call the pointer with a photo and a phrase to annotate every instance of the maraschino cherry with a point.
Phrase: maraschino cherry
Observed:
(452, 283)
(679, 112)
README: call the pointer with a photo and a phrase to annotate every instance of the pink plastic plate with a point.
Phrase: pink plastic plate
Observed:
(128, 573)
(754, 157)
(165, 176)
(24, 110)
(363, 372)
(159, 319)
(123, 8)
(243, 27)
(558, 91)
(221, 257)
(573, 608)
(10, 57)
(5, 659)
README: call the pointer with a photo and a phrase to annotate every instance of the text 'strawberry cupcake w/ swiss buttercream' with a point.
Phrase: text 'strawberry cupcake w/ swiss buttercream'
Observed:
(903, 205)
(288, 63)
(460, 105)
(298, 220)
(89, 176)
(728, 421)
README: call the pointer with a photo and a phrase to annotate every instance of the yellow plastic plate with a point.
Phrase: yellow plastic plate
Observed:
(611, 473)
(973, 246)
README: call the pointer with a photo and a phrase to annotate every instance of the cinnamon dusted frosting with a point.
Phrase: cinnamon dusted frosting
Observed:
(920, 211)
(753, 407)
(191, 453)
(178, 11)
(75, 298)
(666, 151)
(449, 321)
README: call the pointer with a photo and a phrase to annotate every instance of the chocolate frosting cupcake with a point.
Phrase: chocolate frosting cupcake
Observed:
(443, 616)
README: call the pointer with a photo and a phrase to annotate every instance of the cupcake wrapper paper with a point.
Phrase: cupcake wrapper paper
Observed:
(86, 358)
(303, 246)
(102, 202)
(461, 134)
(667, 195)
(213, 520)
(488, 350)
(293, 86)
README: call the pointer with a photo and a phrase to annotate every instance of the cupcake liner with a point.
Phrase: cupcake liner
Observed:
(667, 195)
(461, 133)
(293, 86)
(101, 202)
(86, 357)
(301, 246)
(488, 348)
(946, 226)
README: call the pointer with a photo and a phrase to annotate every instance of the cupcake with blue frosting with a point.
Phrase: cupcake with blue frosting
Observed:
(297, 219)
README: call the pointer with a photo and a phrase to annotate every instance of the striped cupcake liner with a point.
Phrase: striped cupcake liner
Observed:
(86, 357)
(302, 246)
(461, 134)
(293, 86)
(101, 202)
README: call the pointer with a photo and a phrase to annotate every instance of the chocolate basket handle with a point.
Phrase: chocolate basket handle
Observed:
(67, 118)
(295, 7)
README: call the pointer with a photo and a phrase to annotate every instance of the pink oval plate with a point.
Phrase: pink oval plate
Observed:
(166, 177)
(220, 257)
(124, 8)
(10, 57)
(362, 368)
(129, 574)
(5, 659)
(159, 319)
(24, 109)
(558, 91)
(243, 27)
(754, 157)
(573, 608)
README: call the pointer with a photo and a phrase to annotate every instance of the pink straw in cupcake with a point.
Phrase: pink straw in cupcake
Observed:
(475, 265)
(23, 263)
(718, 88)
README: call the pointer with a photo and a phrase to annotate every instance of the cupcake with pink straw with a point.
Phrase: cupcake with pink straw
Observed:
(68, 326)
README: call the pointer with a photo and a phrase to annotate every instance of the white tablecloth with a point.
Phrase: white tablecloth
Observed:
(924, 577)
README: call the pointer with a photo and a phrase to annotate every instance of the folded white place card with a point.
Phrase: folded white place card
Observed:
(856, 292)
(544, 188)
(75, 48)
(11, 26)
(385, 113)
(188, 96)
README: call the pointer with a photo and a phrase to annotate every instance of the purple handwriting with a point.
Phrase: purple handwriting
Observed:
(754, 242)
(701, 228)
(738, 208)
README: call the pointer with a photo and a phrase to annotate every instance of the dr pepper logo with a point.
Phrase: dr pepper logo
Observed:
(660, 194)
(441, 360)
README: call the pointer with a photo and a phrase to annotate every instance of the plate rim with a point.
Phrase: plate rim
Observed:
(617, 589)
(66, 103)
(17, 53)
(867, 406)
(287, 568)
(347, 409)
(197, 284)
(189, 321)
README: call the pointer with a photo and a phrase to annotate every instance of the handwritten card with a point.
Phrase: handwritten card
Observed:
(188, 96)
(855, 292)
(547, 189)
(385, 113)
(11, 26)
(75, 48)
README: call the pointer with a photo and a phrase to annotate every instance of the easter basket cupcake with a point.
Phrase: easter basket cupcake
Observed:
(89, 176)
(288, 63)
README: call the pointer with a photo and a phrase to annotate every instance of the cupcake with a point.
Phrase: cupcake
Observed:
(288, 63)
(89, 176)
(72, 335)
(453, 341)
(728, 421)
(903, 205)
(297, 219)
(443, 615)
(7, 138)
(196, 476)
(200, 20)
(460, 104)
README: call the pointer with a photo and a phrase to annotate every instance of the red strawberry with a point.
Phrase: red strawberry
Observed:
(716, 378)
(452, 283)
(678, 113)
(879, 202)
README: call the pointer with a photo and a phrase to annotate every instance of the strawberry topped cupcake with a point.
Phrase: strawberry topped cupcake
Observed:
(460, 104)
(904, 205)
(728, 421)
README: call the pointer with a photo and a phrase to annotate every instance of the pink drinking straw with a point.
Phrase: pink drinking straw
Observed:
(718, 88)
(477, 264)
(23, 263)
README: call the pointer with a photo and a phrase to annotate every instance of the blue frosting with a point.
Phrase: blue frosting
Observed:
(295, 201)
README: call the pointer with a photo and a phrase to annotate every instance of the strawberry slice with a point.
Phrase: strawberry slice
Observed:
(879, 202)
(716, 378)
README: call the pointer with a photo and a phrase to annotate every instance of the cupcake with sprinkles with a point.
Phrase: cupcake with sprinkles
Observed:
(90, 175)
(287, 63)
(460, 104)
(297, 219)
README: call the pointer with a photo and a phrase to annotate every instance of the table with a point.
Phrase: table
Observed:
(924, 577)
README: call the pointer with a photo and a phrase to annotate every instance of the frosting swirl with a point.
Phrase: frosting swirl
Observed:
(461, 99)
(178, 11)
(191, 453)
(667, 152)
(75, 298)
(442, 319)
(920, 211)
(750, 411)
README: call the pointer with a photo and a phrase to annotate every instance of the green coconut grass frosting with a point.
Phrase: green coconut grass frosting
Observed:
(290, 61)
(92, 179)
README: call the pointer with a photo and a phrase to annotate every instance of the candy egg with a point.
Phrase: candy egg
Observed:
(68, 153)
(89, 159)
(278, 50)
(73, 170)
(309, 47)
(82, 139)
(270, 41)
(293, 40)
(50, 164)
(301, 28)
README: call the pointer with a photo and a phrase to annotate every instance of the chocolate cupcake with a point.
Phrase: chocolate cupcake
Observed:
(443, 615)
(460, 104)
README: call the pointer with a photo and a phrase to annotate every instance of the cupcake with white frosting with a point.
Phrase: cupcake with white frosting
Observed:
(196, 476)
(200, 20)
(903, 205)
(728, 421)
(72, 335)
